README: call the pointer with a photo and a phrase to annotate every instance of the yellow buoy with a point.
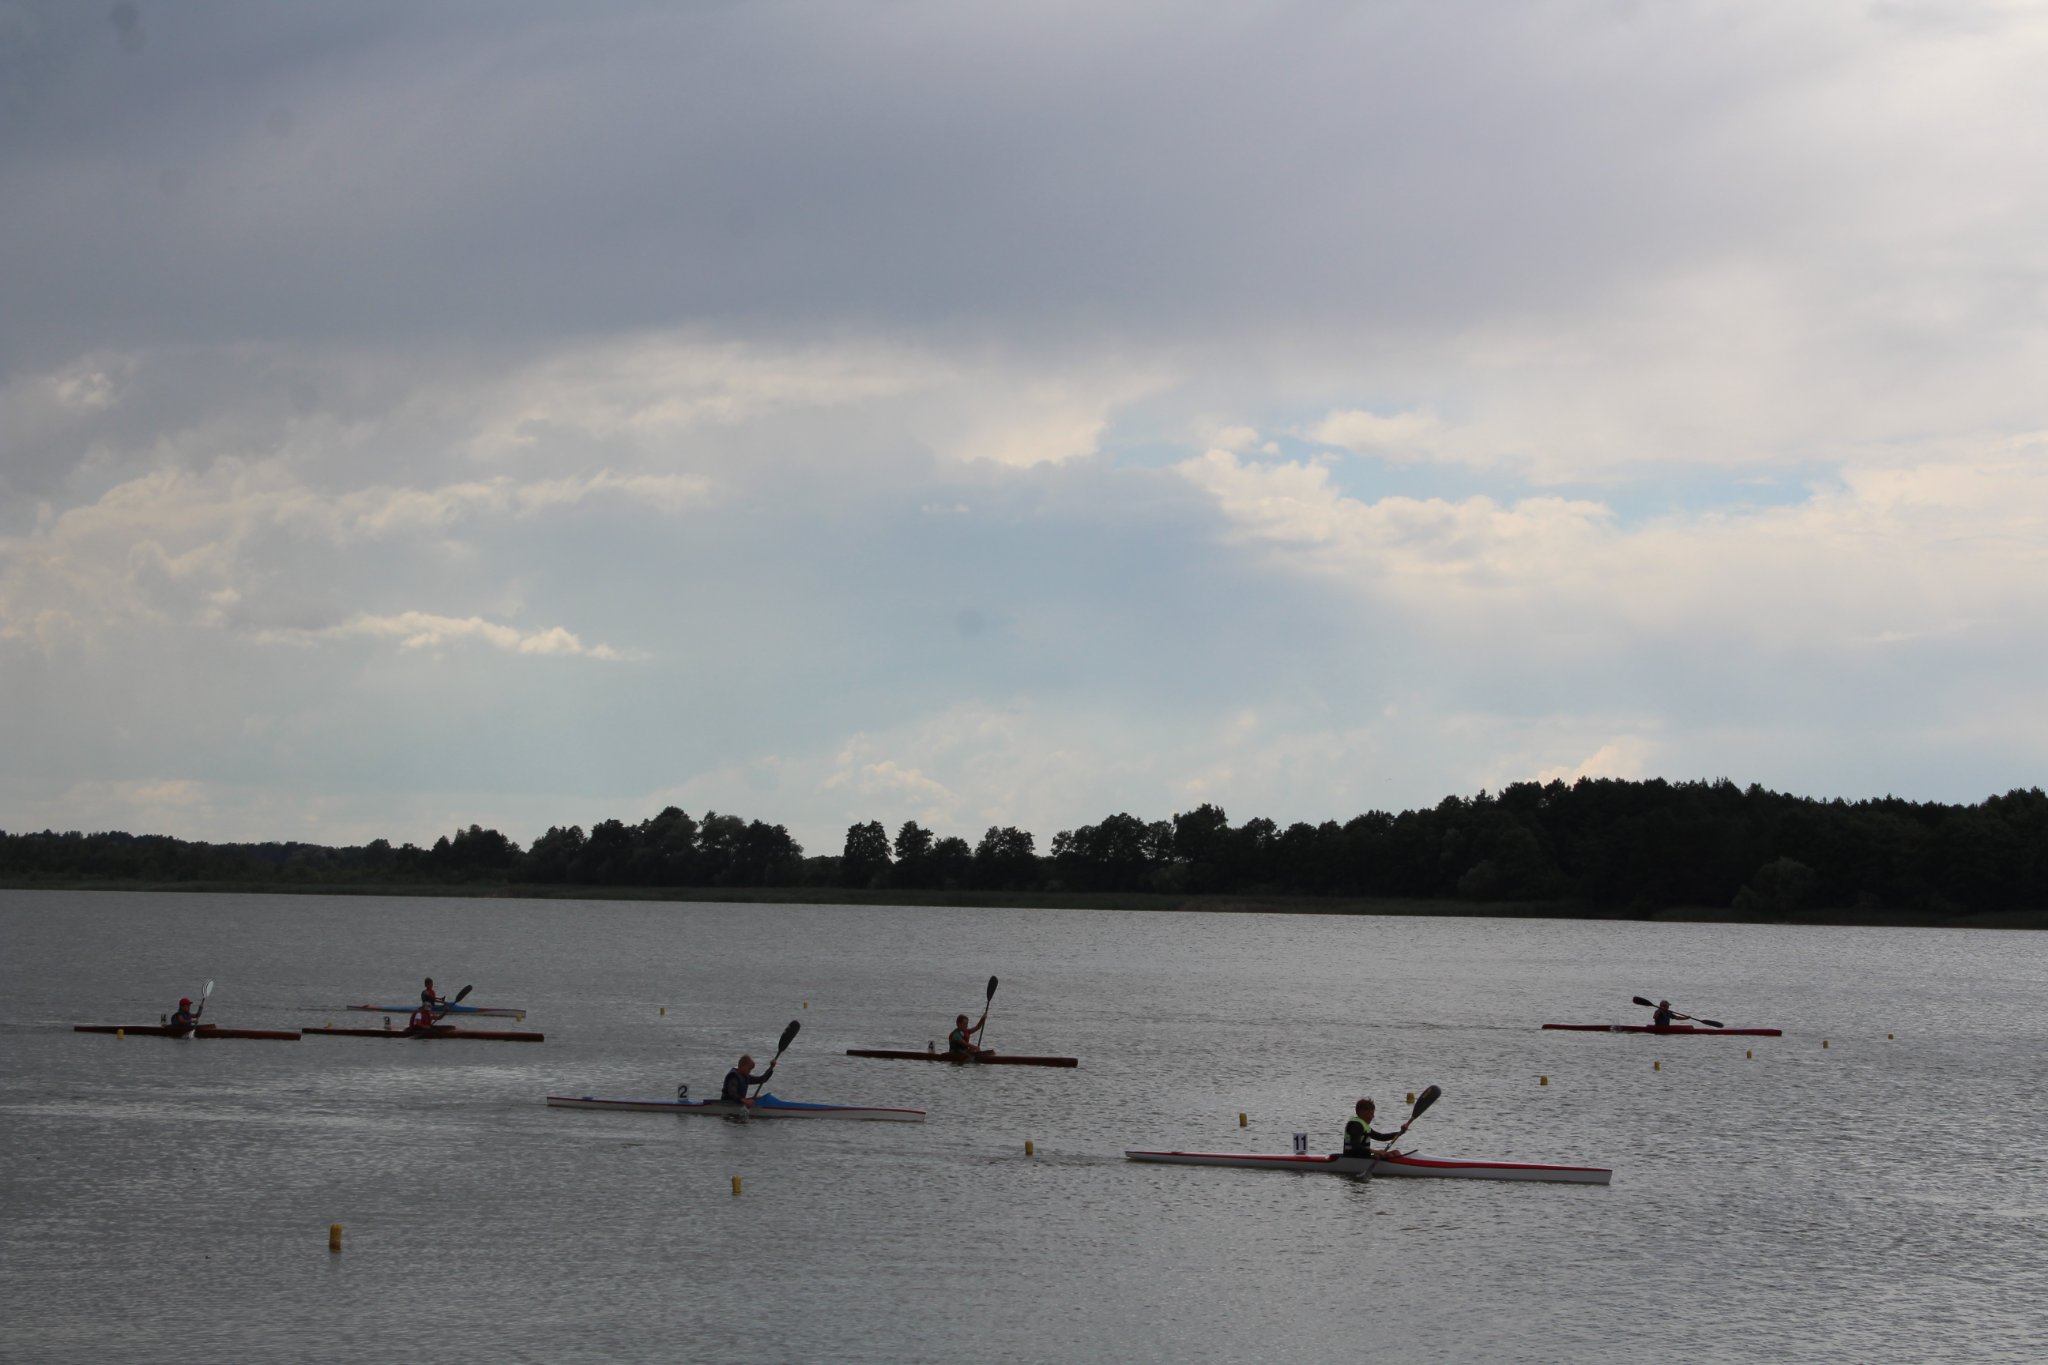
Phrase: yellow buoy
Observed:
(334, 1236)
(1823, 1042)
(1029, 1150)
(1411, 1097)
(1892, 1036)
(1656, 1066)
(664, 1011)
(1241, 1120)
(735, 1184)
(1749, 1052)
(120, 1033)
(1543, 1080)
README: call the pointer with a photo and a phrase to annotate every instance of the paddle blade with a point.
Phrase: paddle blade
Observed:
(1423, 1101)
(788, 1036)
(991, 988)
(1646, 1004)
(460, 994)
(1713, 1023)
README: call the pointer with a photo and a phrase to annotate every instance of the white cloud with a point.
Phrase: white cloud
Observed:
(425, 630)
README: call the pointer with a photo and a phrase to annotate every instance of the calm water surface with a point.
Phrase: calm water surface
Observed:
(1879, 1198)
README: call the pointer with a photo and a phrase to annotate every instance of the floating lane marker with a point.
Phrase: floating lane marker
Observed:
(735, 1185)
(334, 1236)
(1029, 1150)
(1241, 1120)
(1543, 1080)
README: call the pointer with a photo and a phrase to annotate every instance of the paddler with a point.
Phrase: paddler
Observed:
(423, 1017)
(184, 1018)
(739, 1079)
(1664, 1015)
(961, 1039)
(1358, 1133)
(432, 998)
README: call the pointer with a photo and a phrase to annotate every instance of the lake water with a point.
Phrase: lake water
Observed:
(1878, 1198)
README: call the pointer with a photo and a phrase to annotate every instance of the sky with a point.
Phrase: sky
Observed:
(418, 415)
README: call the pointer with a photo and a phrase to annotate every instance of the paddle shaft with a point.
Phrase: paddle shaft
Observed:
(982, 1027)
(1422, 1103)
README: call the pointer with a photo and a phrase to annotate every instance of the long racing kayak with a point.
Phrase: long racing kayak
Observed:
(1406, 1164)
(1668, 1028)
(763, 1107)
(438, 1031)
(199, 1031)
(501, 1011)
(962, 1058)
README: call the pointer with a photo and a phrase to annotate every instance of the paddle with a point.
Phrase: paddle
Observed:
(442, 1012)
(1651, 1004)
(982, 1027)
(788, 1036)
(202, 1002)
(1422, 1102)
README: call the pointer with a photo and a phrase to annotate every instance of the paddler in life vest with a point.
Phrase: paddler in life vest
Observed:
(737, 1081)
(431, 998)
(423, 1018)
(1358, 1133)
(961, 1039)
(1664, 1015)
(184, 1018)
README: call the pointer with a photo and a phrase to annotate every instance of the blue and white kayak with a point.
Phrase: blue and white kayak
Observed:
(1379, 1168)
(501, 1011)
(763, 1107)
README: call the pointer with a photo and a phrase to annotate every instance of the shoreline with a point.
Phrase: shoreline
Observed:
(1065, 900)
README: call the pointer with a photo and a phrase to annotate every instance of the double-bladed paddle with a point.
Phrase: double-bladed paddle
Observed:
(1651, 1004)
(1422, 1102)
(447, 1004)
(788, 1037)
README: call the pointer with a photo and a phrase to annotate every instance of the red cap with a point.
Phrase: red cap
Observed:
(186, 1000)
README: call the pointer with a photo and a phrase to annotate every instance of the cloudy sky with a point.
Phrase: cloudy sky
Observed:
(423, 414)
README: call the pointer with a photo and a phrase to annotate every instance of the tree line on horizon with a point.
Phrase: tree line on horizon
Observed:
(1606, 844)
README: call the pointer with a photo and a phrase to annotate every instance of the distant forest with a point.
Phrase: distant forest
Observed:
(1610, 846)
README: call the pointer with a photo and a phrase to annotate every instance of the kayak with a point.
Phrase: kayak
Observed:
(438, 1031)
(764, 1107)
(960, 1058)
(200, 1031)
(1406, 1164)
(1669, 1028)
(501, 1011)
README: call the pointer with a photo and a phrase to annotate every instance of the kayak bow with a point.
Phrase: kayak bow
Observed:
(1375, 1167)
(764, 1107)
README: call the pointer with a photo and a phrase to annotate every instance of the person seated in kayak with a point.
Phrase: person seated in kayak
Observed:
(739, 1079)
(430, 997)
(1358, 1133)
(1664, 1015)
(423, 1017)
(961, 1039)
(185, 1018)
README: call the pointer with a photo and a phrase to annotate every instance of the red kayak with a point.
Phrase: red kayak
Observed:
(437, 1031)
(1668, 1028)
(189, 1031)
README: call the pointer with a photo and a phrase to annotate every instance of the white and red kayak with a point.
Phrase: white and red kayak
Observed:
(1407, 1164)
(763, 1107)
(1670, 1028)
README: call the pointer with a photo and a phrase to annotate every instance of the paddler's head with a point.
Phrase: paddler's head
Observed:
(184, 1002)
(1663, 1004)
(746, 1063)
(1365, 1109)
(960, 1021)
(430, 983)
